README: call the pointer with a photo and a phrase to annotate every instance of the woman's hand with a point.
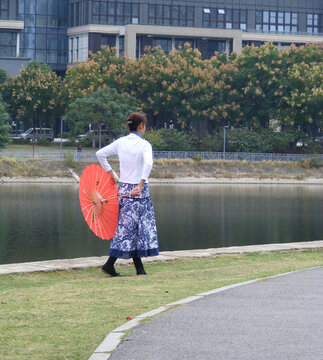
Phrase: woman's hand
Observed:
(137, 190)
(111, 173)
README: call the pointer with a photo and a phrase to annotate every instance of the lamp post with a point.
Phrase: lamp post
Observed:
(224, 131)
(61, 134)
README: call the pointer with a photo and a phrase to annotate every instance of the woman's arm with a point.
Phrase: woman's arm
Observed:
(102, 154)
(147, 162)
(147, 166)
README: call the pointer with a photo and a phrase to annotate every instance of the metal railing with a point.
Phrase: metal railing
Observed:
(89, 155)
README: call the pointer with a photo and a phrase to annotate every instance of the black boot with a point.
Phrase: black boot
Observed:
(108, 267)
(139, 266)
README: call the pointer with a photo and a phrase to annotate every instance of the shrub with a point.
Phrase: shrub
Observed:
(311, 163)
(197, 157)
(21, 141)
(69, 159)
(171, 140)
(212, 142)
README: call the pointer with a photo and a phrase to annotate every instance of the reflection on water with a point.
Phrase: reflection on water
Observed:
(39, 222)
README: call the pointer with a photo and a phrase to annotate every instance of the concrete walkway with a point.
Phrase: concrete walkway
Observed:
(279, 318)
(88, 262)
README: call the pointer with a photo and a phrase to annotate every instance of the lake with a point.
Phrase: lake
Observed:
(44, 221)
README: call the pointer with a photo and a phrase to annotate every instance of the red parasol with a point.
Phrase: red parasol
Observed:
(98, 195)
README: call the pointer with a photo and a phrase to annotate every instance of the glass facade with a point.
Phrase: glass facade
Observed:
(171, 15)
(44, 37)
(113, 13)
(277, 21)
(225, 18)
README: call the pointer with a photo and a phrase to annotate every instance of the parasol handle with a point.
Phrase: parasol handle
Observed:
(115, 197)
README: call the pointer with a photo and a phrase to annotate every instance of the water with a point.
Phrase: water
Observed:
(42, 222)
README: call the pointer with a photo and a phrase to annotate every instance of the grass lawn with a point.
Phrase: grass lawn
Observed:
(65, 315)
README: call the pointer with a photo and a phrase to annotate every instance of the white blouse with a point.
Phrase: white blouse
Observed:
(135, 157)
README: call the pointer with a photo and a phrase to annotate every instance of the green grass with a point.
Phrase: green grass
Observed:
(65, 315)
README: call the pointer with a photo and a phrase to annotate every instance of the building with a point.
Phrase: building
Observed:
(61, 32)
(33, 30)
(218, 25)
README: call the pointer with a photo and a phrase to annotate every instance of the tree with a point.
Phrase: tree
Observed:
(35, 94)
(103, 107)
(102, 69)
(4, 127)
(303, 104)
(4, 76)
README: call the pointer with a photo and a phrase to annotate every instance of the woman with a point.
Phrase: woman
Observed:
(136, 234)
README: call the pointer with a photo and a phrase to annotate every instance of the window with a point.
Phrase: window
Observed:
(164, 43)
(225, 18)
(180, 42)
(312, 23)
(171, 15)
(108, 40)
(112, 13)
(276, 21)
(8, 43)
(4, 9)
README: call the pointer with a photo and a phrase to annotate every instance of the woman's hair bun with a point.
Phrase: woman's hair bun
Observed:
(135, 119)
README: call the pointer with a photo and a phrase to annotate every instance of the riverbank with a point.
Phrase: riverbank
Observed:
(172, 171)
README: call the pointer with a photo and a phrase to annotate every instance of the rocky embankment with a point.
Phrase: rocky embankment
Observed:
(172, 171)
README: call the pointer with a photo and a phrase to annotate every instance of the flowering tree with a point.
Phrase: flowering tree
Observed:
(35, 94)
(102, 69)
(242, 90)
(303, 106)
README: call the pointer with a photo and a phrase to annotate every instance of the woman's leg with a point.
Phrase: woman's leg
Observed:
(139, 266)
(108, 267)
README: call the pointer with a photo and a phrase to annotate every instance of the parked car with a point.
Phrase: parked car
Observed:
(95, 134)
(15, 134)
(40, 134)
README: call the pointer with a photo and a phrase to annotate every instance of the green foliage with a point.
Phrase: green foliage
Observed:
(262, 141)
(35, 94)
(103, 107)
(4, 76)
(4, 127)
(21, 141)
(212, 142)
(171, 140)
(197, 158)
(311, 163)
(244, 140)
(69, 159)
(303, 104)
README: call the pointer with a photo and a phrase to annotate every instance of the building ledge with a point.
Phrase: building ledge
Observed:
(154, 30)
(288, 37)
(11, 25)
(92, 28)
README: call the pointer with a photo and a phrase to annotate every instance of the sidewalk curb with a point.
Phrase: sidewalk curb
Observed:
(115, 337)
(93, 262)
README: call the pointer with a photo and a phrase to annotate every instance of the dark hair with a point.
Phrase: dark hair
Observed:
(135, 119)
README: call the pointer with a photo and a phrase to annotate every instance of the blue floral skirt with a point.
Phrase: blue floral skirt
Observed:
(136, 234)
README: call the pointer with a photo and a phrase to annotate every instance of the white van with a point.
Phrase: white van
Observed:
(41, 134)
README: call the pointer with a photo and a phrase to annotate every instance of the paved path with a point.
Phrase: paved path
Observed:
(276, 318)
